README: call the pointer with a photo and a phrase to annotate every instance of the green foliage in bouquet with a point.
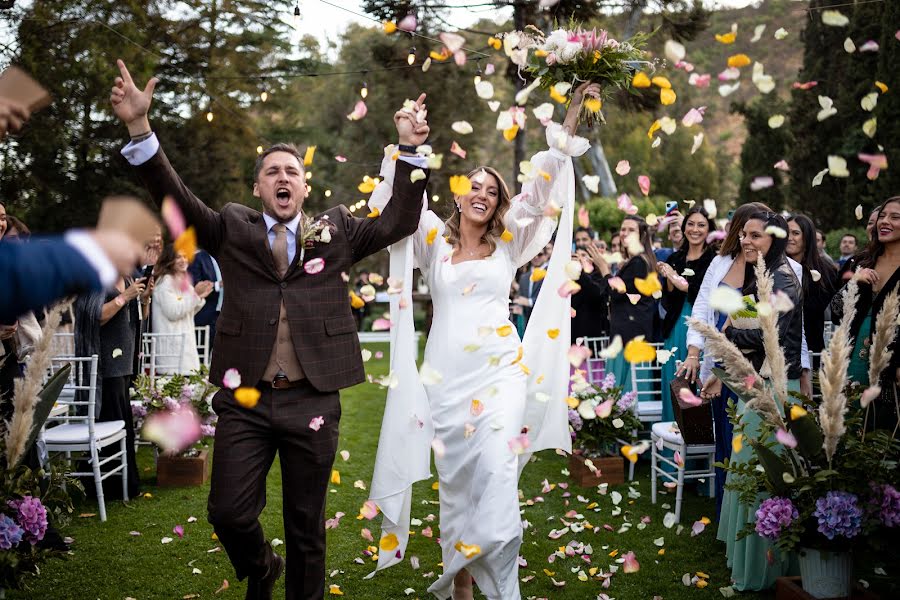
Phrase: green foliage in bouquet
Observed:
(603, 417)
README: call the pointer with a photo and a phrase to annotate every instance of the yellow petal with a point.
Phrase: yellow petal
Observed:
(510, 134)
(702, 583)
(654, 128)
(460, 185)
(440, 56)
(308, 157)
(660, 81)
(726, 38)
(495, 43)
(389, 542)
(640, 80)
(335, 477)
(593, 104)
(186, 243)
(881, 87)
(737, 443)
(667, 96)
(737, 61)
(432, 233)
(648, 286)
(557, 96)
(469, 551)
(504, 330)
(701, 574)
(553, 333)
(519, 353)
(356, 301)
(537, 274)
(389, 26)
(573, 402)
(638, 351)
(375, 212)
(661, 551)
(797, 412)
(246, 396)
(541, 53)
(335, 590)
(506, 236)
(632, 456)
(367, 186)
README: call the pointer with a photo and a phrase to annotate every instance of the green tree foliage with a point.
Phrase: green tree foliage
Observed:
(762, 149)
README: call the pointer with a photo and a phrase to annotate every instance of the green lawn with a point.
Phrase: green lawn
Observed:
(109, 561)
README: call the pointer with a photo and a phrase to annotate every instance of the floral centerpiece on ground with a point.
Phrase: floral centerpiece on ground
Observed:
(175, 412)
(832, 482)
(602, 417)
(567, 57)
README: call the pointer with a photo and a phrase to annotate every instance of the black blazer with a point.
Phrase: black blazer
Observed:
(626, 319)
(673, 301)
(591, 306)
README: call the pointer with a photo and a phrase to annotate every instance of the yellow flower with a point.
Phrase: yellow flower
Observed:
(667, 96)
(186, 243)
(246, 396)
(460, 185)
(641, 80)
(737, 443)
(506, 236)
(738, 60)
(638, 351)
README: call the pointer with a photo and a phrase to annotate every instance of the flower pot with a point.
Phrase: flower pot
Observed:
(610, 469)
(180, 471)
(826, 574)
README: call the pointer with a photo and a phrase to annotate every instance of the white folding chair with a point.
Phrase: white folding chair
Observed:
(646, 382)
(595, 366)
(202, 335)
(157, 348)
(80, 433)
(666, 434)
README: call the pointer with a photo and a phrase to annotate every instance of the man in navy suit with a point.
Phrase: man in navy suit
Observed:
(205, 268)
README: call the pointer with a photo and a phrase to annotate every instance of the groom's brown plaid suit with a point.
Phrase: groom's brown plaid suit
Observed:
(323, 333)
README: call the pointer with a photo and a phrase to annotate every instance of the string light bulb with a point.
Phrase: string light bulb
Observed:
(264, 96)
(308, 175)
(297, 15)
(210, 116)
(259, 149)
(364, 90)
(411, 57)
(328, 193)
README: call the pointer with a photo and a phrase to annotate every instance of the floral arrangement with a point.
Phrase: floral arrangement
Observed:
(832, 482)
(567, 57)
(175, 412)
(602, 416)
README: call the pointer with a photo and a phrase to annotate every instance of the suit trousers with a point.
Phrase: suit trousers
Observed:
(245, 446)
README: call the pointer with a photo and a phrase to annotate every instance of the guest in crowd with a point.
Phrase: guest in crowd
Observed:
(629, 319)
(848, 248)
(590, 305)
(821, 245)
(683, 272)
(177, 300)
(16, 230)
(877, 276)
(107, 324)
(850, 265)
(754, 561)
(205, 268)
(818, 288)
(676, 237)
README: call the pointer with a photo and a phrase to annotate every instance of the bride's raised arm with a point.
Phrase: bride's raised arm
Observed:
(551, 180)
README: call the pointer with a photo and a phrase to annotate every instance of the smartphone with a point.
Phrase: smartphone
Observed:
(671, 205)
(148, 272)
(574, 247)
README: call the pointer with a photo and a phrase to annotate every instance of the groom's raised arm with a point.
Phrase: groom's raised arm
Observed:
(400, 217)
(131, 105)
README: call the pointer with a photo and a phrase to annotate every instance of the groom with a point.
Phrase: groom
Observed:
(287, 328)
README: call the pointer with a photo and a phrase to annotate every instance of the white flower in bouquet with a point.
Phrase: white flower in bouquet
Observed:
(556, 41)
(586, 410)
(569, 52)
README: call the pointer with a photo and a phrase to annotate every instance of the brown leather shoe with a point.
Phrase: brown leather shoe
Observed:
(261, 589)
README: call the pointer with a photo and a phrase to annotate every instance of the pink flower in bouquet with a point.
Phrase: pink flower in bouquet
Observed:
(32, 516)
(590, 40)
(551, 59)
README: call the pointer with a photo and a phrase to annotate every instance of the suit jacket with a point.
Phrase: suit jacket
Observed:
(524, 282)
(202, 270)
(318, 306)
(35, 274)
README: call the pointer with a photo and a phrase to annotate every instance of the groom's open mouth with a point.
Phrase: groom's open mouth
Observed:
(479, 207)
(283, 196)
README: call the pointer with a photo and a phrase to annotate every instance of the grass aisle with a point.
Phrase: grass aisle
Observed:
(125, 557)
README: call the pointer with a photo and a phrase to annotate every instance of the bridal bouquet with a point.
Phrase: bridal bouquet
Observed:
(567, 57)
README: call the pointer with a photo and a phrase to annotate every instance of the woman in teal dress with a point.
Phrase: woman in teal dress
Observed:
(877, 275)
(755, 563)
(683, 272)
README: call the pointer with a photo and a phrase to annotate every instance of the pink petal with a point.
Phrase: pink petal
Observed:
(366, 534)
(179, 531)
(644, 184)
(340, 159)
(623, 167)
(359, 111)
(457, 150)
(700, 81)
(604, 409)
(786, 438)
(459, 57)
(678, 459)
(578, 354)
(782, 165)
(697, 528)
(749, 381)
(584, 218)
(693, 117)
(314, 265)
(381, 325)
(316, 423)
(568, 288)
(624, 203)
(760, 183)
(519, 444)
(369, 510)
(231, 379)
(804, 86)
(173, 217)
(870, 46)
(689, 398)
(408, 23)
(489, 69)
(631, 565)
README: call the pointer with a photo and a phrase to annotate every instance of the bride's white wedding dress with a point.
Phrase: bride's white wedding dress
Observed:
(487, 412)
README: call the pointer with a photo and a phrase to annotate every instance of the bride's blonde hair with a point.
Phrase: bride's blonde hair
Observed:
(495, 226)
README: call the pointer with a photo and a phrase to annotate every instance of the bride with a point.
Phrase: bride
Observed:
(478, 400)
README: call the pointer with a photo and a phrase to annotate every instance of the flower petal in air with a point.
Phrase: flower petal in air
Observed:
(737, 61)
(359, 111)
(644, 184)
(537, 274)
(519, 444)
(231, 379)
(737, 443)
(667, 96)
(462, 127)
(613, 349)
(429, 375)
(726, 38)
(835, 18)
(429, 237)
(246, 396)
(648, 286)
(688, 397)
(568, 288)
(693, 117)
(726, 300)
(468, 550)
(592, 183)
(579, 353)
(786, 438)
(460, 185)
(638, 351)
(173, 217)
(506, 236)
(623, 167)
(316, 423)
(186, 243)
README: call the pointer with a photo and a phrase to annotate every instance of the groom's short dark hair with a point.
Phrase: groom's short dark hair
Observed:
(279, 147)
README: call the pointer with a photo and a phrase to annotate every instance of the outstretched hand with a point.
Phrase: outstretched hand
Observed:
(412, 123)
(585, 90)
(131, 104)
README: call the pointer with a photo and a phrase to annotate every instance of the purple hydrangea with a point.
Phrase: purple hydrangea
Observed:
(187, 392)
(171, 404)
(10, 533)
(32, 516)
(575, 420)
(838, 514)
(626, 400)
(775, 515)
(887, 504)
(208, 430)
(608, 383)
(138, 411)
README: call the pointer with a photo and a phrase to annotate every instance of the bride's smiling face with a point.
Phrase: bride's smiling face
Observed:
(479, 205)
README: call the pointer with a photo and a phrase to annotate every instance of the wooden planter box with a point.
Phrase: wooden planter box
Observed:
(789, 588)
(181, 471)
(610, 469)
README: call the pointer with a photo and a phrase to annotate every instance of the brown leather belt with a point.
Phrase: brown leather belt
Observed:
(281, 383)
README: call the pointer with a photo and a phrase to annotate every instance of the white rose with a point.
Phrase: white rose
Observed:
(556, 41)
(586, 410)
(325, 235)
(569, 52)
(618, 423)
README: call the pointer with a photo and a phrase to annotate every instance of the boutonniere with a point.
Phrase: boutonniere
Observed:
(313, 231)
